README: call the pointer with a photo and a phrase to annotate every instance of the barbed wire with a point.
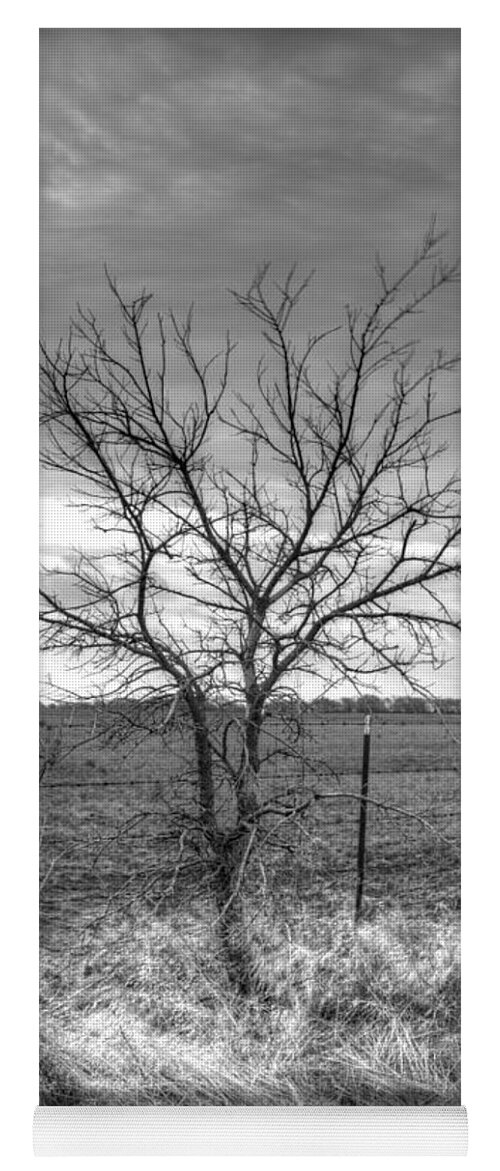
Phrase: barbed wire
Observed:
(413, 834)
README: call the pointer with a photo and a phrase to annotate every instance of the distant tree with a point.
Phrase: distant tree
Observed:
(370, 703)
(447, 705)
(321, 551)
(348, 703)
(411, 704)
(325, 706)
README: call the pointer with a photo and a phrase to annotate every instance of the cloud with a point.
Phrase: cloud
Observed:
(182, 157)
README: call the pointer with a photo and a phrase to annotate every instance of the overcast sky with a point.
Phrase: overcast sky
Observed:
(184, 158)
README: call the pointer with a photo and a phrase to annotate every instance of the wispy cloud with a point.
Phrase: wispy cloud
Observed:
(183, 157)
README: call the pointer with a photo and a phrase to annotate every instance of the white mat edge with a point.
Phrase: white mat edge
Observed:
(250, 1130)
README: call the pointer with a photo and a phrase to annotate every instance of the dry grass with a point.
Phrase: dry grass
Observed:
(139, 1012)
(136, 1008)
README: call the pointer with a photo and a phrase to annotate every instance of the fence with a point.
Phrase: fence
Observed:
(112, 814)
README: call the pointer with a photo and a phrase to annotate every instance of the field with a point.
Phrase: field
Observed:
(135, 1004)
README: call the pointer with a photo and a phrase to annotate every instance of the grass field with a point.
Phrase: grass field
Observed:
(135, 1003)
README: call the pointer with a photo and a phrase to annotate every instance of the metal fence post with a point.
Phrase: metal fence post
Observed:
(362, 817)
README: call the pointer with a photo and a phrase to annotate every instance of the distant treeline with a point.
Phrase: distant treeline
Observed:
(152, 712)
(404, 704)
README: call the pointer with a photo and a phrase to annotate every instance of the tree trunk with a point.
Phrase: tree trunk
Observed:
(236, 856)
(203, 751)
(229, 853)
(231, 921)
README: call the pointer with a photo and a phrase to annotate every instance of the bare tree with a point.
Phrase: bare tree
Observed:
(307, 523)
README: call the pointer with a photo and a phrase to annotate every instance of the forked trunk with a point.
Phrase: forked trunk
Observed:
(231, 924)
(233, 889)
(230, 852)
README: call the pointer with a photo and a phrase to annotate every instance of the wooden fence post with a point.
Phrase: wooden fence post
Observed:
(363, 808)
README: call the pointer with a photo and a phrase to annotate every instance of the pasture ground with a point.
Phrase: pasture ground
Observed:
(135, 1004)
